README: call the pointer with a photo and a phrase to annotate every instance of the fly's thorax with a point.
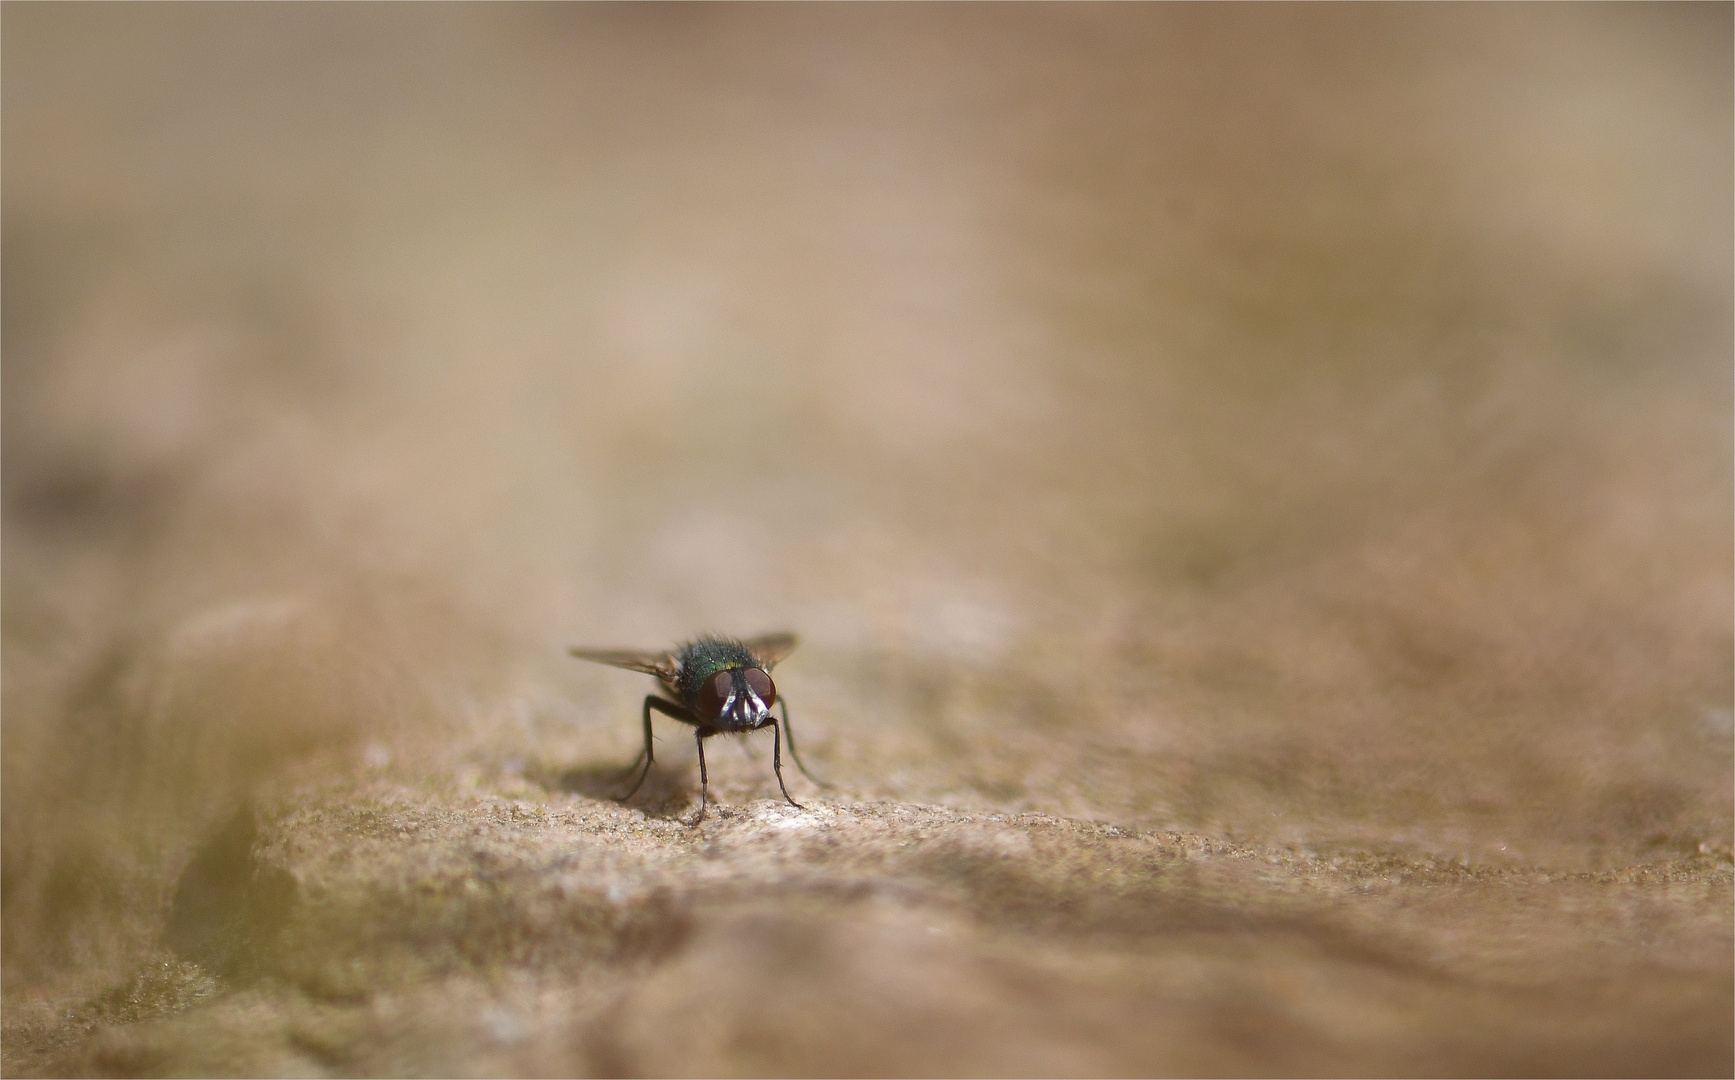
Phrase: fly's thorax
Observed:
(697, 661)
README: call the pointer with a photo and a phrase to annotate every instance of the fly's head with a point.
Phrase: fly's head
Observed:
(736, 699)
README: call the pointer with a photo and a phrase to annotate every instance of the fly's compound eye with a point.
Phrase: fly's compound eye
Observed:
(760, 684)
(715, 694)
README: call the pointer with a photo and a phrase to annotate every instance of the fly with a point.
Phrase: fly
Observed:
(721, 686)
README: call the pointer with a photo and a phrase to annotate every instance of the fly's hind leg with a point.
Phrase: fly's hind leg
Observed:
(793, 752)
(647, 755)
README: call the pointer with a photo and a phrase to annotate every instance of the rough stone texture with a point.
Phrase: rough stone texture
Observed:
(1254, 485)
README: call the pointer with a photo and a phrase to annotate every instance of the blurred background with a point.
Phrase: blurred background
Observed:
(1294, 424)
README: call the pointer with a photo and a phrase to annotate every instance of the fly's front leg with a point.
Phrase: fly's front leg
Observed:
(777, 763)
(793, 752)
(704, 781)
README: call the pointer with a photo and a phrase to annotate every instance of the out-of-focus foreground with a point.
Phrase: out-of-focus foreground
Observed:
(1254, 485)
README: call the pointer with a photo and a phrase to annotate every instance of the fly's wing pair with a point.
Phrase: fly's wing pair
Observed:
(768, 650)
(661, 664)
(771, 648)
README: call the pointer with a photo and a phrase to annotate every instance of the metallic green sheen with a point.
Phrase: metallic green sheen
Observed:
(705, 657)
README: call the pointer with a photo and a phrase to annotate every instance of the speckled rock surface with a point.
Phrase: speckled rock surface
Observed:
(387, 929)
(1253, 485)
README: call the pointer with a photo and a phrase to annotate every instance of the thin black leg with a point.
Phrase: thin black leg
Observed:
(704, 781)
(777, 764)
(647, 755)
(629, 770)
(793, 752)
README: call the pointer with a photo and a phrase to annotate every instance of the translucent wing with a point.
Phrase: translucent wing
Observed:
(660, 663)
(771, 648)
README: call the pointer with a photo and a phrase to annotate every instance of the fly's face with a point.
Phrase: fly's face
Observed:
(736, 699)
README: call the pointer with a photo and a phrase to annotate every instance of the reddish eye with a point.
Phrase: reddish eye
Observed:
(760, 683)
(714, 694)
